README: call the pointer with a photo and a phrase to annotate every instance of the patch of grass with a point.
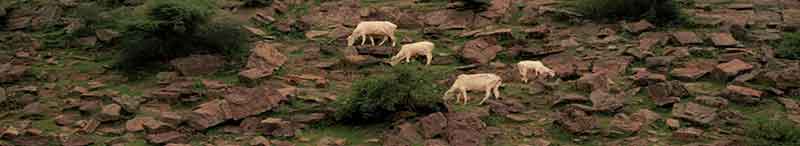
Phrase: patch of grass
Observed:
(789, 47)
(139, 142)
(46, 125)
(355, 135)
(765, 131)
(494, 120)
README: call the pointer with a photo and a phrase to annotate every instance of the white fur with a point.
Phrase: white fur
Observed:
(486, 81)
(366, 28)
(408, 51)
(537, 67)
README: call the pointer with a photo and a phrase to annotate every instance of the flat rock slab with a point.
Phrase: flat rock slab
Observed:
(687, 38)
(723, 39)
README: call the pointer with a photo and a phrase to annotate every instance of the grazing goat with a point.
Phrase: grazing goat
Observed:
(486, 81)
(366, 28)
(537, 67)
(408, 51)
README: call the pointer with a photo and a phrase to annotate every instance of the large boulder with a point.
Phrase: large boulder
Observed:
(694, 112)
(263, 61)
(732, 68)
(464, 129)
(481, 50)
(576, 121)
(432, 125)
(742, 94)
(238, 103)
(197, 65)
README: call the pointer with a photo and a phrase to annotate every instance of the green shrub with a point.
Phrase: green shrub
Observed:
(256, 3)
(762, 131)
(378, 98)
(789, 47)
(177, 28)
(657, 11)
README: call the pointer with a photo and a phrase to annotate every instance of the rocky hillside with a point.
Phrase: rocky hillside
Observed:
(279, 72)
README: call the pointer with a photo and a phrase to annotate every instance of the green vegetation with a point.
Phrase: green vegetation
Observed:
(788, 47)
(177, 28)
(763, 131)
(657, 11)
(377, 98)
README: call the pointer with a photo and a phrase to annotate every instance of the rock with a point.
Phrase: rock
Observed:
(238, 103)
(129, 103)
(361, 60)
(435, 142)
(481, 50)
(673, 123)
(259, 141)
(741, 94)
(432, 125)
(687, 134)
(639, 26)
(539, 31)
(566, 65)
(694, 112)
(171, 118)
(731, 68)
(67, 118)
(308, 118)
(504, 107)
(197, 65)
(88, 126)
(592, 82)
(570, 98)
(382, 51)
(77, 141)
(624, 123)
(604, 102)
(464, 129)
(723, 39)
(263, 61)
(667, 89)
(791, 19)
(687, 38)
(664, 101)
(576, 121)
(166, 137)
(314, 33)
(408, 132)
(207, 114)
(717, 102)
(785, 77)
(9, 72)
(107, 35)
(679, 52)
(110, 112)
(645, 116)
(659, 61)
(142, 123)
(541, 142)
(35, 108)
(693, 70)
(642, 77)
(278, 127)
(89, 42)
(612, 66)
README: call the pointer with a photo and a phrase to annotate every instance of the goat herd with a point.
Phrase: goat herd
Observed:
(489, 82)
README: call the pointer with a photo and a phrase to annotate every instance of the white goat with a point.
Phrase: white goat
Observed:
(366, 28)
(408, 51)
(485, 81)
(537, 67)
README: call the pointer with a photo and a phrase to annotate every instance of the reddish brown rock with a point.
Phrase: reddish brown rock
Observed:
(687, 134)
(242, 102)
(77, 141)
(642, 77)
(645, 116)
(693, 70)
(694, 112)
(593, 82)
(732, 68)
(667, 92)
(712, 101)
(624, 123)
(207, 114)
(612, 67)
(576, 121)
(110, 112)
(432, 125)
(639, 26)
(742, 94)
(196, 65)
(263, 61)
(687, 38)
(481, 50)
(566, 65)
(464, 129)
(723, 39)
(166, 137)
(604, 102)
(9, 72)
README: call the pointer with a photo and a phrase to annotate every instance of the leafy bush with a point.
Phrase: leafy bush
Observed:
(378, 98)
(789, 47)
(762, 131)
(177, 28)
(657, 11)
(256, 3)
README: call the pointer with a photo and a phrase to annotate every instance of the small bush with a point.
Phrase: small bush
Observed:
(378, 98)
(256, 3)
(177, 28)
(657, 11)
(762, 131)
(789, 47)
